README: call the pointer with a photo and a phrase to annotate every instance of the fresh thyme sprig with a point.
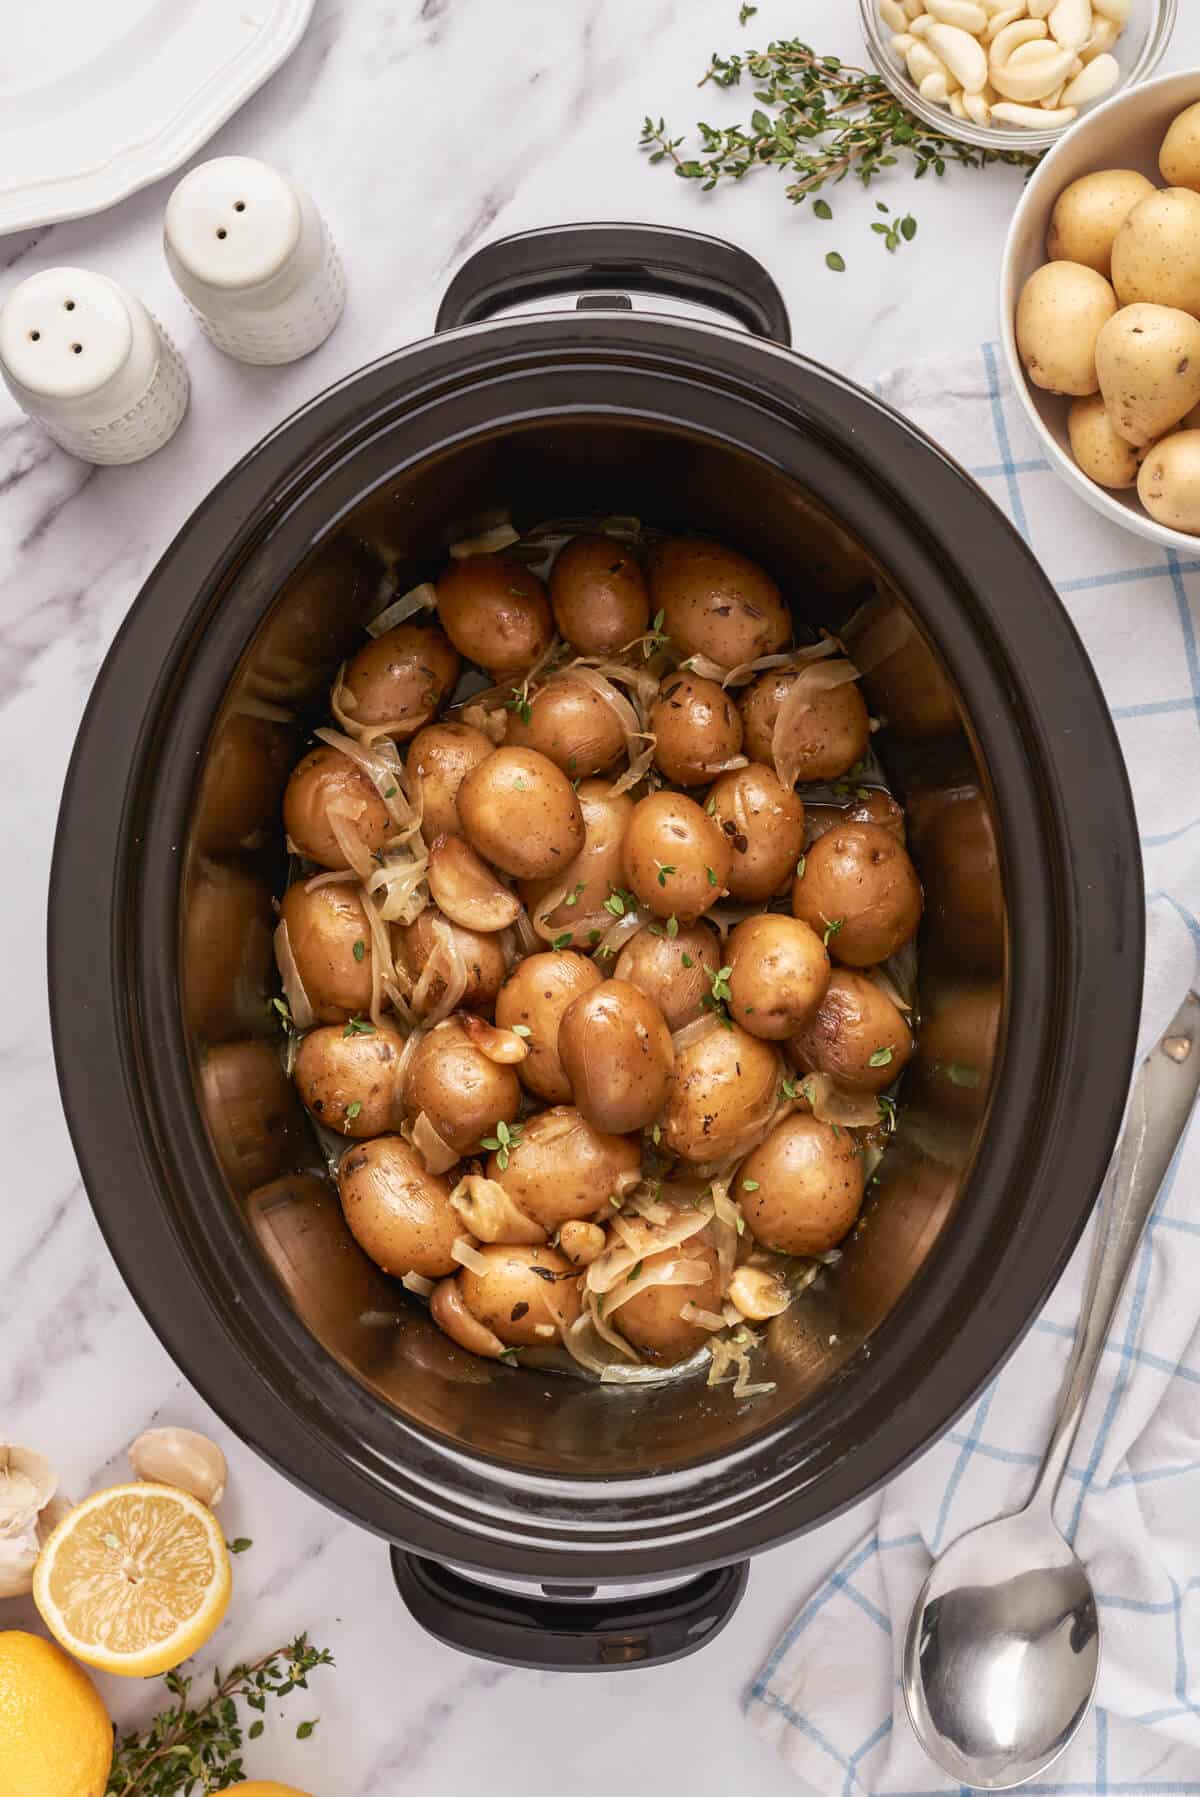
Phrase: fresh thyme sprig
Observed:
(198, 1749)
(829, 120)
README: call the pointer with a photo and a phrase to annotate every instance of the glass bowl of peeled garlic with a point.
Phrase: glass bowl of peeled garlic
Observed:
(1012, 74)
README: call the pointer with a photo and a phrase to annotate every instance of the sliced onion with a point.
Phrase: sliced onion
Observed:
(637, 770)
(727, 917)
(744, 1389)
(640, 1241)
(491, 1213)
(688, 1034)
(418, 598)
(417, 1282)
(652, 1209)
(488, 542)
(817, 677)
(878, 977)
(383, 972)
(703, 1319)
(668, 1272)
(621, 526)
(586, 675)
(901, 969)
(887, 632)
(526, 933)
(437, 1153)
(726, 1218)
(401, 880)
(705, 666)
(606, 1332)
(620, 932)
(446, 962)
(299, 1004)
(745, 671)
(468, 1255)
(339, 816)
(382, 765)
(849, 1110)
(400, 1077)
(730, 765)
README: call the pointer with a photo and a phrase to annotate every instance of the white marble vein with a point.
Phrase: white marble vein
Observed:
(423, 127)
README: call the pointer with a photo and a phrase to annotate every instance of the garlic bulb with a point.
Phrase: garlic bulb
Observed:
(183, 1458)
(28, 1483)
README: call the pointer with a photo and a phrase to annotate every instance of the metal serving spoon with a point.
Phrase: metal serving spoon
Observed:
(1003, 1646)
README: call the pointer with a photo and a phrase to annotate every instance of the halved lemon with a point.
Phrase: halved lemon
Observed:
(134, 1579)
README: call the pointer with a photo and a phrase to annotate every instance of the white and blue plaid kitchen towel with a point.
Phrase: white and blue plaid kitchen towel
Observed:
(829, 1698)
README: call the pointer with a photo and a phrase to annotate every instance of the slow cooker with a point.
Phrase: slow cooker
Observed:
(536, 1518)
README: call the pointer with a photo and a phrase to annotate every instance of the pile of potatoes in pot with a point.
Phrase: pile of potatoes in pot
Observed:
(588, 1004)
(1112, 322)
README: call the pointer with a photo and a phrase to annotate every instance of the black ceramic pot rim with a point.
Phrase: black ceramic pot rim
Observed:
(1043, 731)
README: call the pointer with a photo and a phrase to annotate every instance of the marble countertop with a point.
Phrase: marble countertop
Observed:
(423, 127)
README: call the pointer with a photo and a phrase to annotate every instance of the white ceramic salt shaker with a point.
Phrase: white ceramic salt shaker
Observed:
(90, 364)
(252, 256)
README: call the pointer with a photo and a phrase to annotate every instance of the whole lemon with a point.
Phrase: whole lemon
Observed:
(55, 1734)
(259, 1787)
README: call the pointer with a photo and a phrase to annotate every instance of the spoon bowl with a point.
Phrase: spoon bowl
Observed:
(999, 1666)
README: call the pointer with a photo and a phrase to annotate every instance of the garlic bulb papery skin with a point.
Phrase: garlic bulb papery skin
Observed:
(28, 1484)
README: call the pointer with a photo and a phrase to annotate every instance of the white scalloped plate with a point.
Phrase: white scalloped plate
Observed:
(101, 97)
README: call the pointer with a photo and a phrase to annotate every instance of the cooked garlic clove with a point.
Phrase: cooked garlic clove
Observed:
(1096, 79)
(183, 1458)
(18, 1557)
(582, 1243)
(27, 1484)
(759, 1294)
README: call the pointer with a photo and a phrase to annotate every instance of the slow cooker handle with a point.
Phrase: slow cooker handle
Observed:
(561, 1635)
(585, 258)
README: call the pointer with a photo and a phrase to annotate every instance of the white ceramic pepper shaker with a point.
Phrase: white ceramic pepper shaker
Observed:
(88, 361)
(252, 256)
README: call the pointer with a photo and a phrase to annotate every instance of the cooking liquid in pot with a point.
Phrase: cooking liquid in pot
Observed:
(536, 1267)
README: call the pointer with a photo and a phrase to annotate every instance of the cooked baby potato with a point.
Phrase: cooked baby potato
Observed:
(856, 1035)
(521, 813)
(1156, 252)
(349, 1082)
(778, 972)
(561, 1168)
(765, 826)
(726, 1084)
(1169, 483)
(533, 998)
(716, 602)
(483, 954)
(1062, 310)
(859, 891)
(1179, 157)
(1148, 365)
(461, 1090)
(651, 1319)
(327, 779)
(837, 728)
(398, 1213)
(587, 885)
(524, 1289)
(495, 613)
(397, 681)
(599, 595)
(1101, 451)
(676, 856)
(801, 1190)
(439, 759)
(675, 972)
(330, 940)
(571, 725)
(616, 1051)
(1088, 214)
(696, 728)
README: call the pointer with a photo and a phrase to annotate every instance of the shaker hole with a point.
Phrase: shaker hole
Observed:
(221, 231)
(69, 305)
(77, 349)
(239, 205)
(35, 336)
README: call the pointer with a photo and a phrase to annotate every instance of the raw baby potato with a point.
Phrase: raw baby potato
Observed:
(1179, 158)
(1148, 363)
(1062, 310)
(1089, 213)
(1169, 483)
(1099, 448)
(1156, 253)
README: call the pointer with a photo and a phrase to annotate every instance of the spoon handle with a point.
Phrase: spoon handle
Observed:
(1159, 1108)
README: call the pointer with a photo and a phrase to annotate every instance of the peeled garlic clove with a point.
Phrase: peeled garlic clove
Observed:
(1033, 118)
(183, 1458)
(1096, 79)
(18, 1557)
(27, 1483)
(1116, 10)
(759, 1294)
(893, 15)
(1104, 35)
(963, 13)
(1071, 23)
